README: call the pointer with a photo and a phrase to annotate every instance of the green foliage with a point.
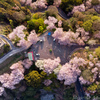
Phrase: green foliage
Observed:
(50, 2)
(79, 16)
(95, 2)
(41, 29)
(66, 25)
(91, 12)
(11, 9)
(19, 16)
(43, 74)
(11, 23)
(67, 5)
(33, 79)
(92, 87)
(47, 88)
(50, 50)
(87, 74)
(87, 25)
(51, 11)
(39, 15)
(35, 24)
(87, 17)
(96, 25)
(97, 51)
(95, 18)
(6, 48)
(68, 94)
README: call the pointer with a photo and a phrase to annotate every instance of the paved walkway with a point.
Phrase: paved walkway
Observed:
(58, 50)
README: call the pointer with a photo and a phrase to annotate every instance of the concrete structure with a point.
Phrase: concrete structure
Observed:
(2, 43)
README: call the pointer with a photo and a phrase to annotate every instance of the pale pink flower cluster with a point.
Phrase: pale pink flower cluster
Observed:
(80, 8)
(39, 4)
(33, 38)
(27, 63)
(22, 43)
(47, 82)
(1, 91)
(68, 74)
(51, 22)
(60, 23)
(28, 2)
(16, 75)
(50, 65)
(22, 1)
(18, 31)
(83, 81)
(77, 62)
(68, 38)
(57, 3)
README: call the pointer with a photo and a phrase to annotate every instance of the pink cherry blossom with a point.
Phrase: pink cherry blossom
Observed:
(27, 63)
(33, 38)
(57, 3)
(51, 22)
(47, 82)
(1, 91)
(50, 65)
(60, 23)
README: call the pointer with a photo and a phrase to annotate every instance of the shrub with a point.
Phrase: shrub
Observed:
(66, 25)
(39, 15)
(51, 11)
(91, 11)
(87, 74)
(96, 25)
(87, 17)
(50, 2)
(95, 2)
(87, 25)
(97, 50)
(92, 87)
(79, 15)
(95, 18)
(35, 24)
(33, 79)
(19, 16)
(80, 23)
(67, 5)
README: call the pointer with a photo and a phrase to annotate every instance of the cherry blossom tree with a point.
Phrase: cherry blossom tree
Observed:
(57, 3)
(58, 34)
(1, 91)
(17, 74)
(23, 43)
(33, 38)
(51, 22)
(80, 8)
(18, 31)
(68, 74)
(39, 4)
(28, 2)
(27, 63)
(60, 23)
(48, 65)
(68, 38)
